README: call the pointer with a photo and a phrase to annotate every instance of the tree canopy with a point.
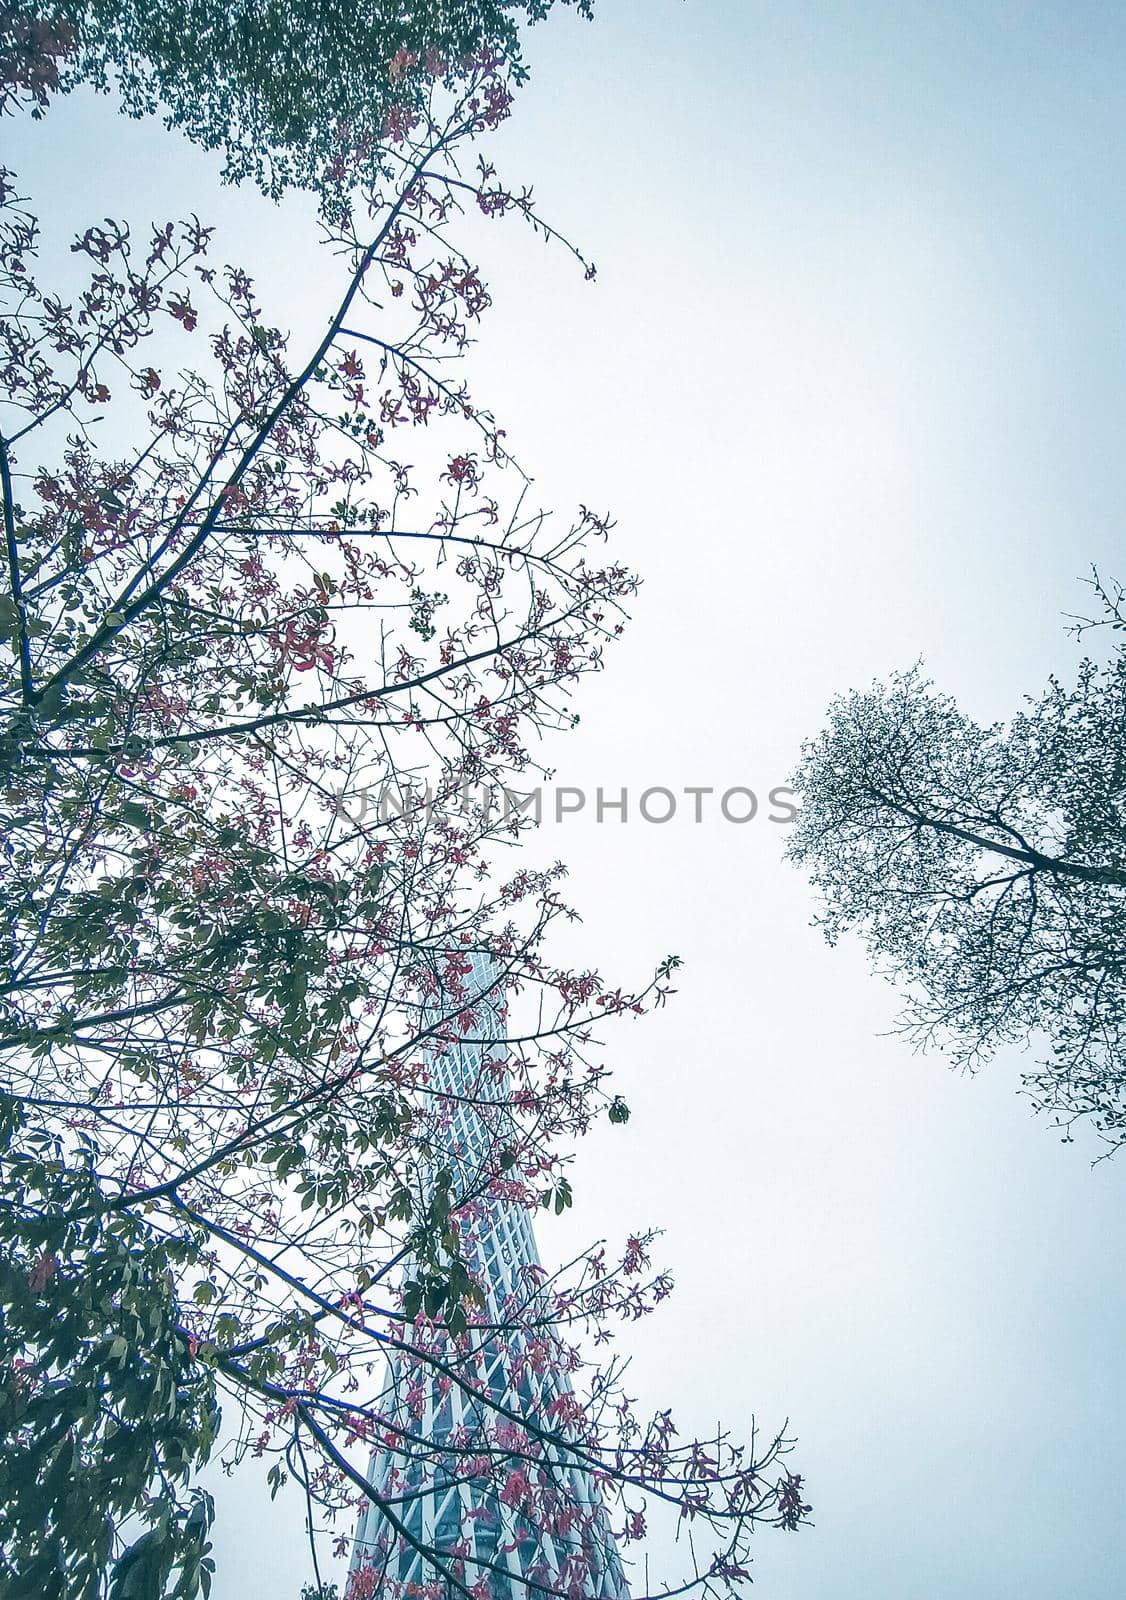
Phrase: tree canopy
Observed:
(985, 867)
(283, 91)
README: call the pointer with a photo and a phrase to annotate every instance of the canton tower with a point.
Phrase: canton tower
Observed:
(462, 1470)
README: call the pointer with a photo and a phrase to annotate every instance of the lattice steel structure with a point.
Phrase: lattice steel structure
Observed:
(505, 1527)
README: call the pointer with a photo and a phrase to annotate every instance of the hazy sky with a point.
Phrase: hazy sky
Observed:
(852, 380)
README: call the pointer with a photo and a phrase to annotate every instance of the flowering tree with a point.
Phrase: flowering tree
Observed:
(231, 606)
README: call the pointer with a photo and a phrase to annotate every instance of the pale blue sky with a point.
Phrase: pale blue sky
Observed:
(852, 380)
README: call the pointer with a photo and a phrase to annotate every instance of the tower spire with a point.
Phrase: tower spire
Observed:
(484, 1488)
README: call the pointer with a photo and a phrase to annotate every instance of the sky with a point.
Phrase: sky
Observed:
(851, 380)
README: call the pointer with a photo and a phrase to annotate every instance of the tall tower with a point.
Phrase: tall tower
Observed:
(505, 1526)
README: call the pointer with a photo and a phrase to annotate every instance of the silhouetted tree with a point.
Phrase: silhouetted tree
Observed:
(986, 868)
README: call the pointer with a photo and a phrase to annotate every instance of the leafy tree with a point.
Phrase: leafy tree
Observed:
(986, 869)
(269, 621)
(100, 1406)
(284, 91)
